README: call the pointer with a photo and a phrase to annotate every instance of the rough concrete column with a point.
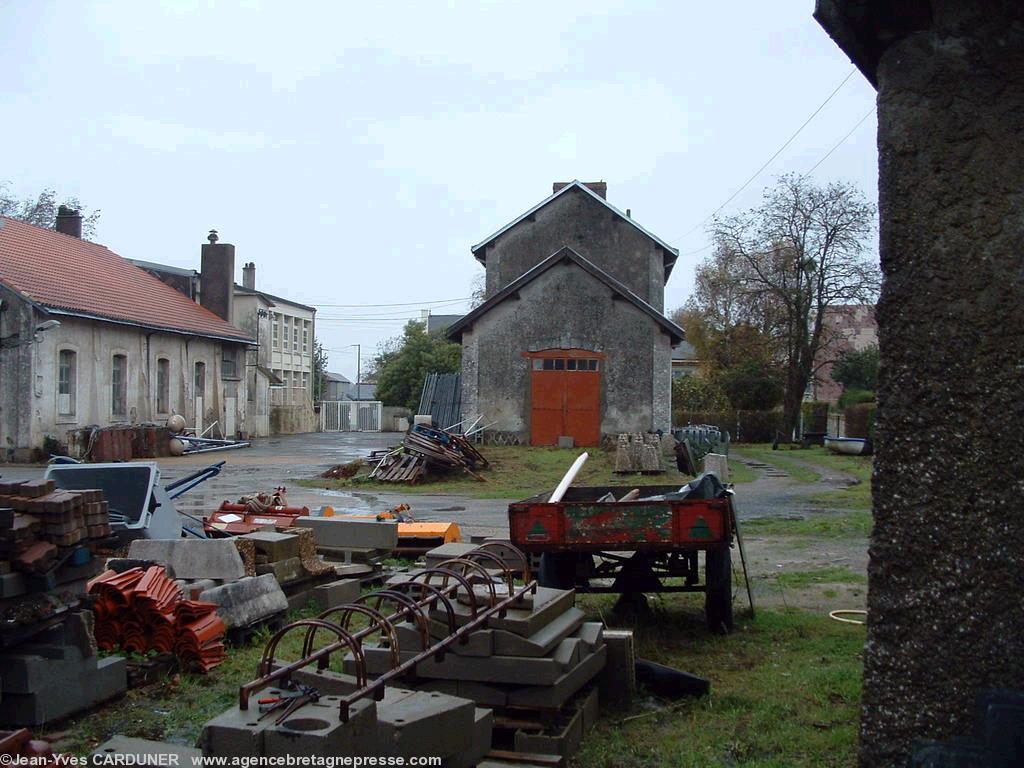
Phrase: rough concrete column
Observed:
(946, 576)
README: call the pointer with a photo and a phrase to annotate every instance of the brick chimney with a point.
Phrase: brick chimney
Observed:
(599, 188)
(249, 276)
(217, 277)
(69, 222)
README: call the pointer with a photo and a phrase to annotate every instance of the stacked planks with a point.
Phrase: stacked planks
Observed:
(142, 610)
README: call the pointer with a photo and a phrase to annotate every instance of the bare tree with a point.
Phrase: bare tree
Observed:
(42, 210)
(478, 290)
(791, 258)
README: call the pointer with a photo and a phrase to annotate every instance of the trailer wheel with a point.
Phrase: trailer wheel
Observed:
(557, 570)
(718, 594)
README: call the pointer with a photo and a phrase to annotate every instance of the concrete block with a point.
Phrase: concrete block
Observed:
(590, 708)
(12, 584)
(234, 732)
(617, 682)
(592, 635)
(192, 558)
(542, 642)
(717, 464)
(562, 739)
(328, 682)
(555, 695)
(491, 669)
(567, 652)
(246, 601)
(195, 588)
(144, 748)
(548, 604)
(274, 546)
(66, 694)
(336, 593)
(348, 533)
(480, 745)
(479, 643)
(482, 694)
(317, 730)
(446, 552)
(285, 571)
(425, 724)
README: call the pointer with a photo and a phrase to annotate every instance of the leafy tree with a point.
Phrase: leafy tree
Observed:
(857, 369)
(319, 370)
(782, 264)
(42, 210)
(697, 393)
(753, 385)
(403, 363)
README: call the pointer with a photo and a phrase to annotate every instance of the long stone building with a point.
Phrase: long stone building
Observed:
(88, 338)
(571, 340)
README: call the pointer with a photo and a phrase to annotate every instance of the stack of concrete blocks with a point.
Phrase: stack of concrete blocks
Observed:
(403, 724)
(638, 452)
(57, 674)
(353, 540)
(542, 657)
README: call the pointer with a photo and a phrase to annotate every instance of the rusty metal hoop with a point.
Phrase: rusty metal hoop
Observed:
(448, 573)
(379, 621)
(439, 596)
(488, 579)
(408, 607)
(507, 572)
(343, 636)
(488, 545)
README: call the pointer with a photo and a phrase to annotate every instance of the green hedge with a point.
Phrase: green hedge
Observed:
(815, 416)
(742, 426)
(860, 420)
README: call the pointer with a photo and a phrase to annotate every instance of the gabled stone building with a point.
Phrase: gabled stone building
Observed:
(572, 339)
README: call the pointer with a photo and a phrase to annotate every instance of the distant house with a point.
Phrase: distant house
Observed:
(336, 387)
(363, 391)
(88, 338)
(572, 339)
(684, 360)
(850, 327)
(280, 367)
(440, 323)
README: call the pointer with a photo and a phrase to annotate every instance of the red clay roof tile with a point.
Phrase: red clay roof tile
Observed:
(67, 274)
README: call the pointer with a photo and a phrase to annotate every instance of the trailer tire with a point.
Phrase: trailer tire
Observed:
(718, 594)
(557, 570)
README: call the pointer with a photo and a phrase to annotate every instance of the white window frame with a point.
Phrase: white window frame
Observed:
(116, 414)
(68, 412)
(165, 389)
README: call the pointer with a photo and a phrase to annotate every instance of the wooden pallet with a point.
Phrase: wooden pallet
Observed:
(400, 468)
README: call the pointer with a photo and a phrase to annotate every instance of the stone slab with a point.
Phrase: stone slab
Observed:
(246, 601)
(98, 681)
(285, 571)
(425, 724)
(544, 607)
(480, 745)
(317, 730)
(555, 695)
(562, 740)
(343, 533)
(479, 643)
(718, 465)
(192, 558)
(336, 593)
(592, 634)
(541, 642)
(590, 706)
(447, 551)
(274, 546)
(617, 681)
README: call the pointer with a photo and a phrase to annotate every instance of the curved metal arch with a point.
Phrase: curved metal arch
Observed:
(439, 596)
(448, 573)
(343, 636)
(409, 608)
(379, 621)
(488, 579)
(507, 572)
(499, 545)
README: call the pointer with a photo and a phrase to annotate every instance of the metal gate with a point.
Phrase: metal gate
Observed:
(350, 415)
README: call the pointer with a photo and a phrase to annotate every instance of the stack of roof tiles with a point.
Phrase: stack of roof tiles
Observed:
(142, 610)
(39, 523)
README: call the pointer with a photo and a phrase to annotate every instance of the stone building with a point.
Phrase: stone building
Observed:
(847, 328)
(88, 338)
(571, 339)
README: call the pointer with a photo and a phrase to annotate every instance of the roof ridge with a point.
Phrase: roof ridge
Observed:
(22, 222)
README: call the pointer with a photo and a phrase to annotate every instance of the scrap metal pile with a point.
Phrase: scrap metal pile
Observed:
(142, 610)
(427, 449)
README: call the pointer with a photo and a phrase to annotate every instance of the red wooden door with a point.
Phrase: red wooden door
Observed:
(565, 388)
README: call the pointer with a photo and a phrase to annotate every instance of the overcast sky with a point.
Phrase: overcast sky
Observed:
(355, 151)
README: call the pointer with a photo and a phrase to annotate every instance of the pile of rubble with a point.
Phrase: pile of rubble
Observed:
(143, 610)
(426, 449)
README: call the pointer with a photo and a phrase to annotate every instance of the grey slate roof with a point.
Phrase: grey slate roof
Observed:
(567, 254)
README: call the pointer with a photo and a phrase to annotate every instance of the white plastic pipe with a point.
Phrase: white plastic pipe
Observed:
(569, 477)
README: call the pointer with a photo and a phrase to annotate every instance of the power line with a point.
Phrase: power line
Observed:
(770, 159)
(399, 304)
(838, 143)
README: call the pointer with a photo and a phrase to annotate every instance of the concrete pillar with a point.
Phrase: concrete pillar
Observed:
(945, 597)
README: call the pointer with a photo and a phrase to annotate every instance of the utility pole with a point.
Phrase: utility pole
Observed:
(359, 370)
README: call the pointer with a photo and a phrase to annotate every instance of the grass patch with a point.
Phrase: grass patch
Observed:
(516, 472)
(781, 459)
(785, 691)
(818, 525)
(832, 575)
(740, 473)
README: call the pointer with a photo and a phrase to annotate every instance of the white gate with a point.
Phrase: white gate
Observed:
(350, 416)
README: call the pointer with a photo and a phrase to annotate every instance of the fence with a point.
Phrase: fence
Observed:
(350, 415)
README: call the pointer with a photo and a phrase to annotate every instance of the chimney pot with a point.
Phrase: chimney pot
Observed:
(212, 237)
(69, 221)
(249, 276)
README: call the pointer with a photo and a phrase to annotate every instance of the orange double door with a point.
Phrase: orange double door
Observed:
(565, 390)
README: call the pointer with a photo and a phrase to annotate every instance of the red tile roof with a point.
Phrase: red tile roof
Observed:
(70, 275)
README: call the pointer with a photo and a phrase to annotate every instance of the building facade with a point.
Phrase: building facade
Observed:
(572, 340)
(87, 338)
(847, 328)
